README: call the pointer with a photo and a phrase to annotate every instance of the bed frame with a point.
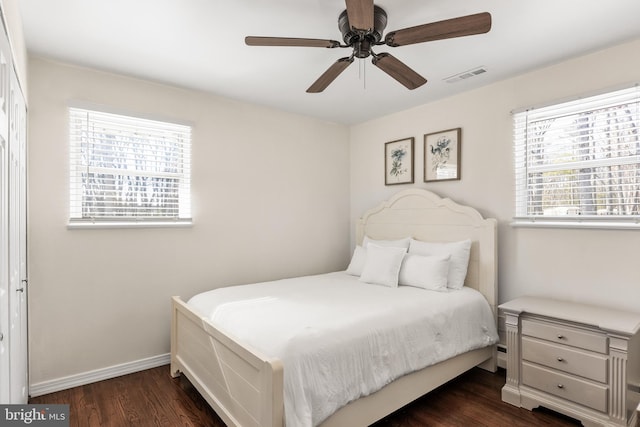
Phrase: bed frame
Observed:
(245, 388)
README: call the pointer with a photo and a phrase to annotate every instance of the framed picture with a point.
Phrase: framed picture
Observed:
(442, 155)
(398, 162)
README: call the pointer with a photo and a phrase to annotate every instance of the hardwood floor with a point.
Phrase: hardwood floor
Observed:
(153, 398)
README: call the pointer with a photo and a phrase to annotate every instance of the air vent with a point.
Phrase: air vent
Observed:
(465, 75)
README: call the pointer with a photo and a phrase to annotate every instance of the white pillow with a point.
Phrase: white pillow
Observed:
(382, 266)
(400, 243)
(357, 261)
(458, 264)
(426, 272)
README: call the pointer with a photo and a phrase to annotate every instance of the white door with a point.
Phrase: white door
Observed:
(13, 298)
(17, 247)
(5, 65)
(23, 371)
(4, 276)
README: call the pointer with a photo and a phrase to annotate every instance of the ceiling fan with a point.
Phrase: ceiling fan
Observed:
(362, 25)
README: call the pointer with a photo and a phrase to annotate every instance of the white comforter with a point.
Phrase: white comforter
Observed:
(340, 339)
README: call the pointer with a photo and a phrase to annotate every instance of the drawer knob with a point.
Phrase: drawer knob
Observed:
(560, 386)
(560, 359)
(560, 336)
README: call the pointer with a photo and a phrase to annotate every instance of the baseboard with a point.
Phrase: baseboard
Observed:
(58, 384)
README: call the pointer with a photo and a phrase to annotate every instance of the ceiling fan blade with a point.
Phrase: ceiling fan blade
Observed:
(456, 27)
(289, 41)
(398, 70)
(330, 75)
(360, 13)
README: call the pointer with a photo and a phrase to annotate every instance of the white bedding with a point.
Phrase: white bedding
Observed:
(340, 339)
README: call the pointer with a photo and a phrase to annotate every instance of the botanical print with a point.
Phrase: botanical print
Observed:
(398, 161)
(441, 152)
(396, 166)
(442, 155)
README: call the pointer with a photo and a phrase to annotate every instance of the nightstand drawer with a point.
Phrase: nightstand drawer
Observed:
(568, 359)
(565, 386)
(565, 335)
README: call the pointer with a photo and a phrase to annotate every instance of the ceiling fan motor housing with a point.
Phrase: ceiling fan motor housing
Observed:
(363, 39)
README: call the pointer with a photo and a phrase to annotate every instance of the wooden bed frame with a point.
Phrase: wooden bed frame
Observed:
(245, 388)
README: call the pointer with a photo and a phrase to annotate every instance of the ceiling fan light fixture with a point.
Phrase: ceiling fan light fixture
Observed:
(362, 49)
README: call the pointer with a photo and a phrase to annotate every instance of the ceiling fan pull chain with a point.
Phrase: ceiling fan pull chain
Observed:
(362, 73)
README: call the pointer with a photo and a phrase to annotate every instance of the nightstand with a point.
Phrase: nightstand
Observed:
(577, 359)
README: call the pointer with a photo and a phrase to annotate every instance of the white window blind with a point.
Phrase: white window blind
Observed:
(580, 161)
(128, 169)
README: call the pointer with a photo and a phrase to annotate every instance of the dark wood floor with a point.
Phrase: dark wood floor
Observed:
(153, 398)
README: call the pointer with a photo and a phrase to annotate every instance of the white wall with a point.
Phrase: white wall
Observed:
(270, 200)
(593, 266)
(11, 14)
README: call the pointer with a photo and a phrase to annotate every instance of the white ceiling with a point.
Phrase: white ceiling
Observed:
(199, 44)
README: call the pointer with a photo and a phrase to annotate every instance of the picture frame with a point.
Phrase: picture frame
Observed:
(442, 155)
(398, 161)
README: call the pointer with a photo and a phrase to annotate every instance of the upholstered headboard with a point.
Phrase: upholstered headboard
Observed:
(426, 216)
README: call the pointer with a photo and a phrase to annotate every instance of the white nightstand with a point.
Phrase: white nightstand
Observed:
(580, 360)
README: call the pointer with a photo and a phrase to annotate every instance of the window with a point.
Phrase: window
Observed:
(578, 162)
(128, 170)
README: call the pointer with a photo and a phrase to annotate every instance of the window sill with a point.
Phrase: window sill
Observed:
(630, 224)
(83, 225)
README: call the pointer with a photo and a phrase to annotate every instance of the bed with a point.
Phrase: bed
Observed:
(246, 387)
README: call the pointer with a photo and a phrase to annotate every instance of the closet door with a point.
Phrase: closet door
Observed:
(5, 68)
(13, 227)
(17, 245)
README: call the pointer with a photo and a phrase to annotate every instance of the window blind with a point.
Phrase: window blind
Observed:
(580, 160)
(128, 169)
